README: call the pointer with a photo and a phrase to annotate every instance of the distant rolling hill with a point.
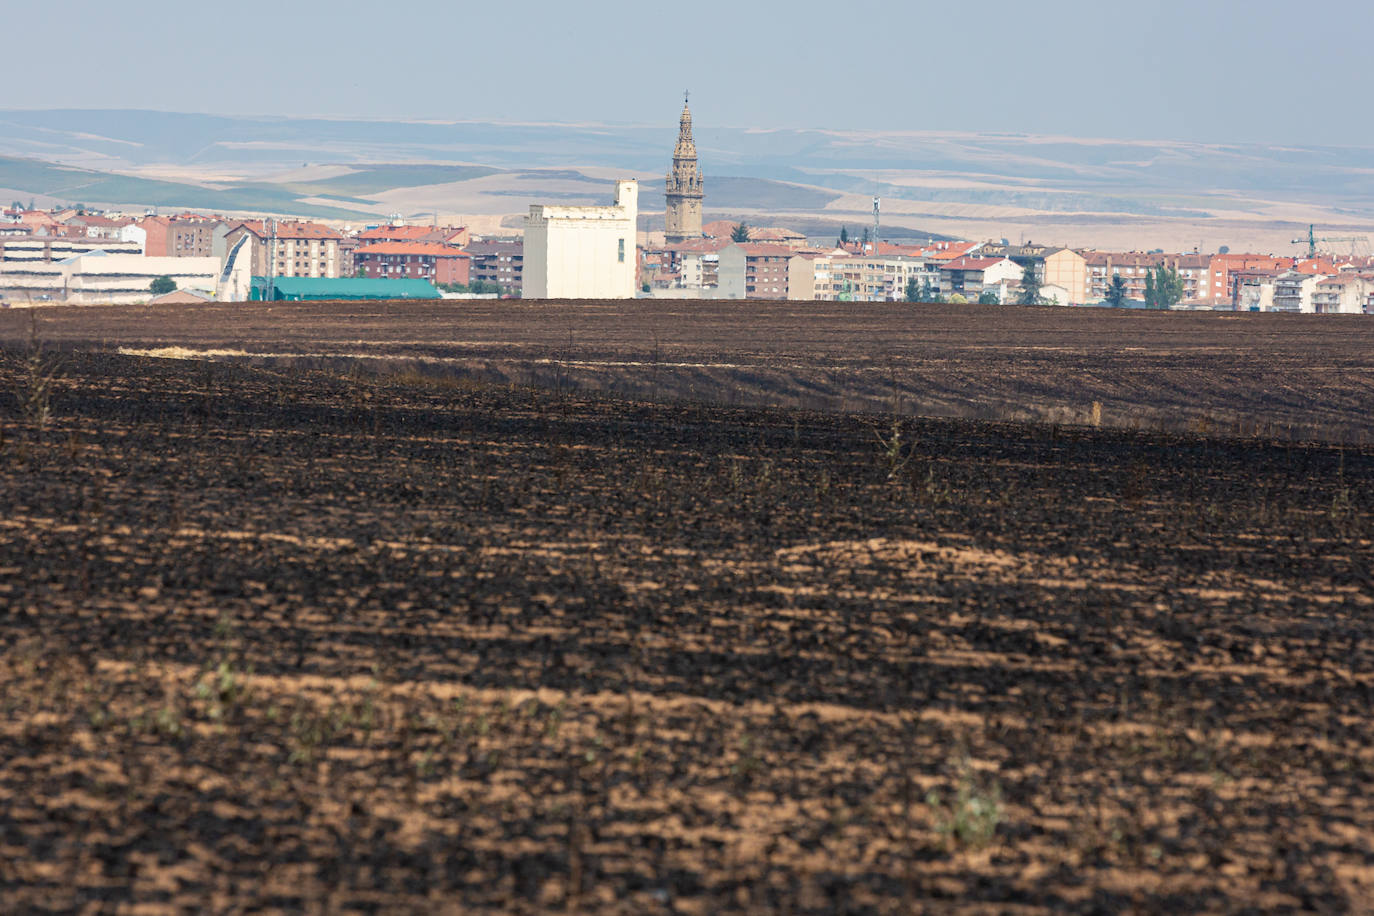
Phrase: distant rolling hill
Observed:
(1081, 191)
(107, 189)
(357, 194)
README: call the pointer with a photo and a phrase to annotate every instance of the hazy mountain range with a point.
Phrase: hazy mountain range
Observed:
(1085, 191)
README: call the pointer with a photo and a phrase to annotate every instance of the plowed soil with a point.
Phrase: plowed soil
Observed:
(294, 636)
(1300, 377)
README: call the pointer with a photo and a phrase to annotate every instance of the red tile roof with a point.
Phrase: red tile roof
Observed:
(431, 249)
(699, 246)
(889, 248)
(91, 220)
(287, 229)
(1315, 266)
(718, 229)
(1339, 280)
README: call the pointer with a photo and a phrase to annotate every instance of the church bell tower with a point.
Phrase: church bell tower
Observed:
(682, 216)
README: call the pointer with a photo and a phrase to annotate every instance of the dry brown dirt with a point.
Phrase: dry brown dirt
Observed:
(1301, 377)
(319, 637)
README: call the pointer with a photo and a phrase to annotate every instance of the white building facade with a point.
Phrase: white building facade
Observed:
(99, 278)
(583, 252)
(1293, 291)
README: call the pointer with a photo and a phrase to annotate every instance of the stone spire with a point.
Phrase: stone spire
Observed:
(686, 146)
(685, 194)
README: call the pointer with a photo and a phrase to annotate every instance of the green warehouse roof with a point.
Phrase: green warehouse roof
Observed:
(311, 288)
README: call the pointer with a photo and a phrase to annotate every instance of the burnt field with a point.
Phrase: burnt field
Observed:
(1293, 377)
(292, 636)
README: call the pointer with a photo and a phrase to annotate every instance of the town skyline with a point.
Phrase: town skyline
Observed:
(1113, 194)
(572, 250)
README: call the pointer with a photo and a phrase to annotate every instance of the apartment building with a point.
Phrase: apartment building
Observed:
(1133, 266)
(1293, 290)
(432, 261)
(187, 236)
(1054, 266)
(693, 264)
(970, 276)
(859, 278)
(699, 269)
(297, 249)
(499, 262)
(1221, 287)
(1344, 294)
(1252, 289)
(94, 226)
(752, 271)
(809, 276)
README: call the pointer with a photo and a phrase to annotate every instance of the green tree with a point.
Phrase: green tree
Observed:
(1030, 286)
(989, 297)
(922, 291)
(162, 285)
(1168, 287)
(1116, 292)
(1163, 288)
(957, 299)
(740, 233)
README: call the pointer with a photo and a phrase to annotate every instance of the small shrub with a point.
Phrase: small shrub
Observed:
(37, 373)
(972, 816)
(220, 690)
(895, 453)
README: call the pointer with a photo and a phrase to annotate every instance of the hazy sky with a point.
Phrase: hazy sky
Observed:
(1205, 70)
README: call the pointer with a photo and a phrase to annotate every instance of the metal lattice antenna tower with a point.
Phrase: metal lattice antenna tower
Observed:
(877, 221)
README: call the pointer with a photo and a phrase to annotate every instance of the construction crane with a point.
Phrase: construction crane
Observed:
(1312, 241)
